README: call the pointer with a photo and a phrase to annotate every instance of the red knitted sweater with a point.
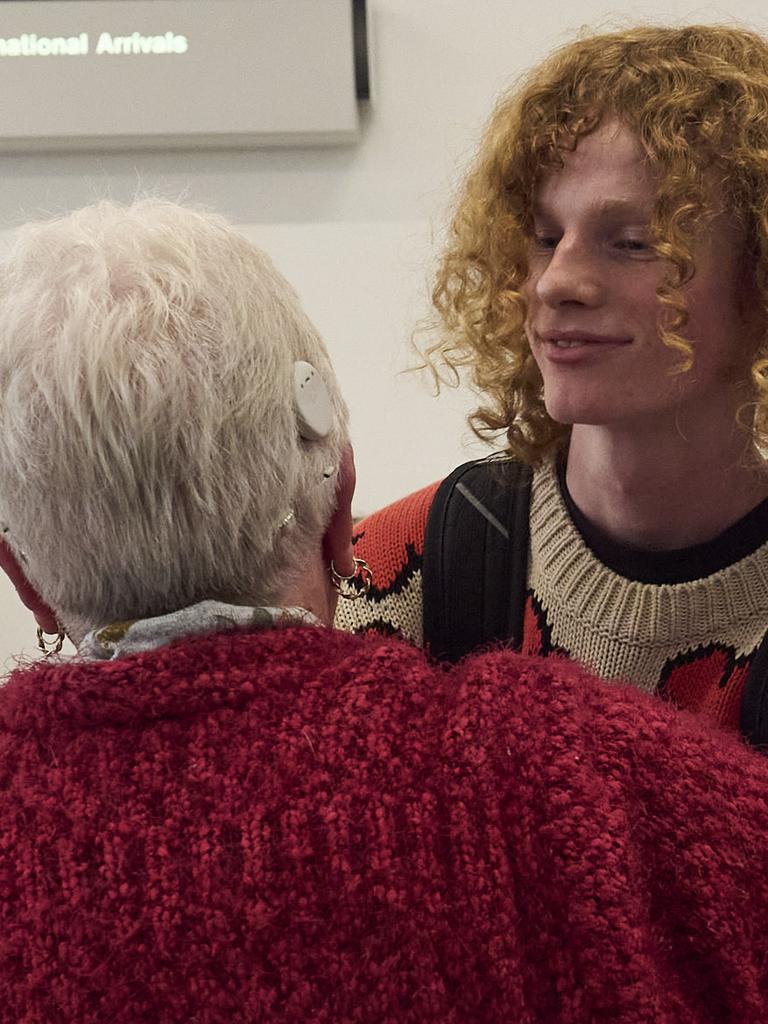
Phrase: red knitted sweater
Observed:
(306, 826)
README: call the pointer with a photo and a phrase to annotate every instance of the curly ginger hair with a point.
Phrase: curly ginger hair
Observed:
(697, 98)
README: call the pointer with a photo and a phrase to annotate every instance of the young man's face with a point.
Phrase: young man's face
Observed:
(593, 313)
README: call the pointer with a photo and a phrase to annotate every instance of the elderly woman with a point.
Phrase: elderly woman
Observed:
(221, 809)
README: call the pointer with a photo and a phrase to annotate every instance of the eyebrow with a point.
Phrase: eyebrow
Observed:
(602, 207)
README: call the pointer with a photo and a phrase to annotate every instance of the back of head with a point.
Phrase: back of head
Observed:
(149, 447)
(696, 97)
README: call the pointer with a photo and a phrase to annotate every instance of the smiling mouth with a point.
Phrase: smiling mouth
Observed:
(580, 340)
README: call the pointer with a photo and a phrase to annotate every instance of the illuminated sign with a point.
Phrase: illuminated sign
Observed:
(80, 45)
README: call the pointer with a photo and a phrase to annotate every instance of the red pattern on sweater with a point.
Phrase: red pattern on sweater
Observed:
(392, 540)
(720, 699)
(302, 825)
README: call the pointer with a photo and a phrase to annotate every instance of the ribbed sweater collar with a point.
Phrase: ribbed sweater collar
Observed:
(589, 597)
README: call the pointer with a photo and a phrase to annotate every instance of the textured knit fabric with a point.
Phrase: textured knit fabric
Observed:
(672, 636)
(305, 826)
(392, 543)
(693, 641)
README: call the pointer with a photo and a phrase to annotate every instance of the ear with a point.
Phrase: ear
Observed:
(45, 616)
(337, 540)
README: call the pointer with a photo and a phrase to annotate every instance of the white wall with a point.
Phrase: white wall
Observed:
(356, 229)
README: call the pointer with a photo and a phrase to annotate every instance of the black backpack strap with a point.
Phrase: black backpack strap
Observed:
(475, 566)
(753, 716)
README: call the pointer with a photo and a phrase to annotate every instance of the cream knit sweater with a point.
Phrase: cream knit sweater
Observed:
(698, 635)
(628, 630)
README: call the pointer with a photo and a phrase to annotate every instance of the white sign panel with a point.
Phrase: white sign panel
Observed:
(108, 73)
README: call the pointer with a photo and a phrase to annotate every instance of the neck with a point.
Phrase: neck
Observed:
(665, 491)
(312, 591)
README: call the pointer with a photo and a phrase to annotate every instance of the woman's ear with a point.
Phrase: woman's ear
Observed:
(337, 540)
(45, 616)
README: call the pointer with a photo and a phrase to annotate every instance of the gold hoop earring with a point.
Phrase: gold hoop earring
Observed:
(354, 586)
(49, 647)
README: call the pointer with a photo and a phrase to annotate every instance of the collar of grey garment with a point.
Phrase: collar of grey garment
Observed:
(119, 639)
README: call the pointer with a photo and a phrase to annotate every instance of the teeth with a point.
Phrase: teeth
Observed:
(560, 343)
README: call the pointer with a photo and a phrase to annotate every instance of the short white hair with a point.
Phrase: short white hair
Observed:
(149, 448)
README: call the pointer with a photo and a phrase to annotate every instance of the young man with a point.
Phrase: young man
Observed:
(605, 286)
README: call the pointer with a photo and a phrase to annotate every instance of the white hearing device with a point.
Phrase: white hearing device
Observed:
(312, 402)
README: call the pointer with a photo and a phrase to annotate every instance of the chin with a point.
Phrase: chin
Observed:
(568, 415)
(569, 410)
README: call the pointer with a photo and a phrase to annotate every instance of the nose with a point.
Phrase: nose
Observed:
(572, 275)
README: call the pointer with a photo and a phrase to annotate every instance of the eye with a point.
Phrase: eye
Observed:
(544, 241)
(635, 247)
